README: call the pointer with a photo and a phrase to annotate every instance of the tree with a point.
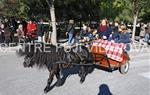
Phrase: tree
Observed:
(53, 21)
(137, 6)
(125, 10)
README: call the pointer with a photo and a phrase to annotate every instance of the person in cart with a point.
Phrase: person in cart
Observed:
(113, 53)
(123, 37)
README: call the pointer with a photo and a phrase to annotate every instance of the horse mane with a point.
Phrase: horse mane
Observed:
(43, 59)
(47, 59)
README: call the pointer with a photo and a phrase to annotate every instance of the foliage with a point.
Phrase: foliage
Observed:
(77, 9)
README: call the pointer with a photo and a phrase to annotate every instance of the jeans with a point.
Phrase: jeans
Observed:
(146, 37)
(71, 38)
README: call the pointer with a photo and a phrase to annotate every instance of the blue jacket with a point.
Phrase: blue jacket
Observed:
(90, 35)
(123, 38)
(70, 29)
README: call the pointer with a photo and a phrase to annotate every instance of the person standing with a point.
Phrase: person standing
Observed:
(20, 32)
(24, 23)
(147, 35)
(71, 32)
(31, 30)
(142, 31)
(2, 33)
(7, 34)
(31, 27)
(13, 26)
(40, 30)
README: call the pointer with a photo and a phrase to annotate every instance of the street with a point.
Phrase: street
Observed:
(17, 80)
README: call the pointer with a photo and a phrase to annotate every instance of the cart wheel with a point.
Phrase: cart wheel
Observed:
(123, 69)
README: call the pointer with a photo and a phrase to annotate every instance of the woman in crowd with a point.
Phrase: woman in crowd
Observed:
(147, 35)
(7, 34)
(83, 31)
(20, 33)
(88, 35)
(104, 30)
(142, 31)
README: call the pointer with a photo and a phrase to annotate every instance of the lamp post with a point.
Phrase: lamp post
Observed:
(89, 18)
(80, 17)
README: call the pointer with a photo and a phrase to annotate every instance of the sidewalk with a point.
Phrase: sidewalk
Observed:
(135, 52)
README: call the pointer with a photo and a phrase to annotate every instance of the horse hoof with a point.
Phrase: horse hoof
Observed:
(58, 84)
(79, 75)
(82, 80)
(47, 89)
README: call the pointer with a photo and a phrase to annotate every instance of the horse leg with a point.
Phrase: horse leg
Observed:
(49, 81)
(82, 73)
(59, 75)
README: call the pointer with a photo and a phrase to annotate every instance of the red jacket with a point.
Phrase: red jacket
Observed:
(31, 27)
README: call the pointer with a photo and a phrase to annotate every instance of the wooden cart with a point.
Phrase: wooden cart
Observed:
(101, 59)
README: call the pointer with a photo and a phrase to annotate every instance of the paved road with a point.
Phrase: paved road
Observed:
(17, 80)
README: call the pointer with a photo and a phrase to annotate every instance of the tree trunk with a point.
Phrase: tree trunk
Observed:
(53, 38)
(53, 21)
(134, 26)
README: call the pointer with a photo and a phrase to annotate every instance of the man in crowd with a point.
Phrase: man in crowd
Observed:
(40, 30)
(70, 32)
(31, 30)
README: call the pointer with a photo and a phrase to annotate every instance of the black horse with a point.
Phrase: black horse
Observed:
(55, 59)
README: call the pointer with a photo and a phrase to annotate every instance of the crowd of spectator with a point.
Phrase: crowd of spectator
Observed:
(145, 32)
(12, 30)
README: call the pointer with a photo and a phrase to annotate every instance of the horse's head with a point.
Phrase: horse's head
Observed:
(28, 61)
(28, 51)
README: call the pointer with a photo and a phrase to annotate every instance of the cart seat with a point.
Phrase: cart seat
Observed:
(110, 49)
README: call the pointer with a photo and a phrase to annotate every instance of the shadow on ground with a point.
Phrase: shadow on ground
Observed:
(104, 90)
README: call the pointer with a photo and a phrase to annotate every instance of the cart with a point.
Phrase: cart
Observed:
(103, 51)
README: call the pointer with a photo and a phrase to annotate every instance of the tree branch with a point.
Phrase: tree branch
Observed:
(50, 3)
